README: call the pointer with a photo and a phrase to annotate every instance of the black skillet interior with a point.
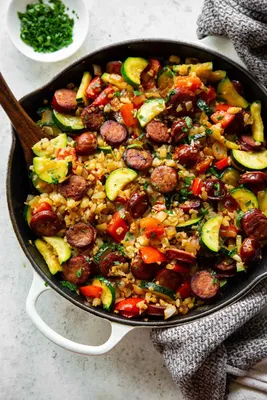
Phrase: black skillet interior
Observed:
(18, 184)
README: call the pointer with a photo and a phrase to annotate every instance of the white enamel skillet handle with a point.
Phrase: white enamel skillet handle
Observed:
(118, 331)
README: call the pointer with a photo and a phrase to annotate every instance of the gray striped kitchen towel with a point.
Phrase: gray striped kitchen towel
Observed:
(244, 22)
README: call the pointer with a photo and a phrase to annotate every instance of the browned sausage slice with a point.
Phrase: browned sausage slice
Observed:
(140, 160)
(155, 311)
(77, 270)
(250, 251)
(93, 118)
(114, 67)
(215, 189)
(247, 143)
(75, 187)
(189, 205)
(205, 285)
(226, 268)
(138, 204)
(86, 144)
(186, 155)
(254, 224)
(113, 133)
(158, 132)
(253, 178)
(181, 102)
(169, 279)
(179, 130)
(180, 255)
(109, 261)
(164, 179)
(81, 235)
(143, 271)
(45, 223)
(64, 100)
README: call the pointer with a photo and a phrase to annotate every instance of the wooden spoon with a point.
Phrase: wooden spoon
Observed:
(28, 132)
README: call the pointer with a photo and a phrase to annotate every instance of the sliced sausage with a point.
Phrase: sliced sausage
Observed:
(226, 268)
(110, 261)
(190, 204)
(169, 279)
(164, 179)
(81, 235)
(254, 224)
(256, 180)
(237, 125)
(86, 144)
(143, 271)
(186, 155)
(141, 160)
(158, 132)
(114, 67)
(45, 223)
(155, 311)
(113, 133)
(93, 118)
(182, 102)
(247, 143)
(64, 100)
(205, 285)
(77, 270)
(138, 204)
(250, 251)
(179, 130)
(75, 187)
(180, 255)
(215, 189)
(230, 203)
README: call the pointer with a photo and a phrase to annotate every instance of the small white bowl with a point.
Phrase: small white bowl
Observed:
(80, 29)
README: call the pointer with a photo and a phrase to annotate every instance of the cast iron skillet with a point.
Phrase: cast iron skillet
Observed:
(17, 175)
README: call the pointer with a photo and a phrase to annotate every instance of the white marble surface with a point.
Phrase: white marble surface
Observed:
(31, 367)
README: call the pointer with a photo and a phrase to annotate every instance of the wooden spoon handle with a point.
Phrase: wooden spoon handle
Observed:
(28, 132)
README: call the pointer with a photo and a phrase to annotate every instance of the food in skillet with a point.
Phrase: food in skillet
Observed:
(152, 187)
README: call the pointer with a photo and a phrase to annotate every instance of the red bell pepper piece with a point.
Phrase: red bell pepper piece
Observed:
(222, 117)
(184, 290)
(223, 163)
(196, 186)
(152, 255)
(42, 207)
(91, 291)
(117, 227)
(222, 107)
(104, 97)
(209, 95)
(153, 228)
(181, 269)
(62, 154)
(129, 305)
(204, 165)
(127, 111)
(138, 100)
(94, 88)
(229, 231)
(190, 82)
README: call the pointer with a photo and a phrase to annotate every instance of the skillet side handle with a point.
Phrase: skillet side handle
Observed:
(118, 331)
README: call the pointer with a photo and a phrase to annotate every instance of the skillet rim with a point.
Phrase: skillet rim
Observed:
(95, 311)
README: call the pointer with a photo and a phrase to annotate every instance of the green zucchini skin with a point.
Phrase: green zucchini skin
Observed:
(68, 123)
(132, 68)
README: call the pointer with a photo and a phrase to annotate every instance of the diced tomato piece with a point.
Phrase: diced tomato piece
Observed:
(222, 117)
(94, 88)
(152, 255)
(196, 186)
(223, 163)
(70, 153)
(104, 97)
(181, 269)
(209, 95)
(204, 165)
(184, 290)
(127, 112)
(91, 291)
(222, 107)
(138, 100)
(190, 82)
(129, 305)
(229, 231)
(42, 207)
(153, 228)
(117, 227)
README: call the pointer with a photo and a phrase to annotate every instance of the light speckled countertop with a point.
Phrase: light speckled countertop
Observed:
(31, 367)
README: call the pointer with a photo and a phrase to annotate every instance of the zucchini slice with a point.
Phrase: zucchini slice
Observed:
(81, 95)
(117, 180)
(51, 171)
(202, 70)
(158, 290)
(230, 176)
(105, 149)
(49, 256)
(262, 200)
(252, 160)
(227, 91)
(215, 76)
(210, 233)
(257, 125)
(108, 292)
(62, 248)
(245, 198)
(190, 222)
(47, 148)
(68, 123)
(165, 81)
(40, 185)
(132, 68)
(149, 110)
(27, 213)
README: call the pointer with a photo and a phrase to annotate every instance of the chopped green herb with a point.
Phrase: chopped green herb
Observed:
(203, 106)
(70, 286)
(183, 129)
(79, 272)
(137, 93)
(145, 186)
(87, 259)
(184, 194)
(240, 215)
(188, 122)
(188, 181)
(116, 263)
(170, 94)
(117, 94)
(212, 171)
(209, 131)
(248, 203)
(46, 284)
(203, 211)
(217, 189)
(229, 253)
(220, 117)
(169, 156)
(74, 144)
